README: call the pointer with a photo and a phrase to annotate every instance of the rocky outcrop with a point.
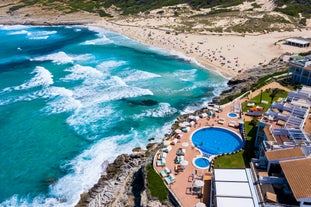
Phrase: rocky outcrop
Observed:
(244, 82)
(123, 184)
(114, 188)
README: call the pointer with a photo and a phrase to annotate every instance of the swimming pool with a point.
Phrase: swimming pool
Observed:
(201, 162)
(232, 115)
(216, 140)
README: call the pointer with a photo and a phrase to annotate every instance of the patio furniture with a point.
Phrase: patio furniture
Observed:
(161, 162)
(178, 159)
(233, 124)
(165, 172)
(180, 151)
(221, 121)
(169, 179)
(162, 155)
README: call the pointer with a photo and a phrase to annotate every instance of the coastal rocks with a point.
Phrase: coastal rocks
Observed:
(244, 82)
(121, 185)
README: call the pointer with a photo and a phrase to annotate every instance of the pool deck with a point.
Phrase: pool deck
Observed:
(181, 188)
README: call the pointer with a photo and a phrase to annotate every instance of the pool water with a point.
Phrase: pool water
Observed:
(232, 115)
(216, 140)
(201, 162)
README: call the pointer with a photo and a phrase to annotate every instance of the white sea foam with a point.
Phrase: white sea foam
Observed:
(99, 41)
(101, 117)
(185, 75)
(163, 110)
(13, 27)
(111, 64)
(114, 93)
(62, 100)
(19, 32)
(79, 72)
(40, 35)
(85, 171)
(42, 77)
(135, 75)
(63, 58)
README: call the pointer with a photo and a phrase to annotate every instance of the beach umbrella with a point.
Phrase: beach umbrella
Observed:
(200, 205)
(191, 117)
(184, 162)
(188, 129)
(181, 125)
(199, 183)
(178, 131)
(186, 123)
(192, 123)
(185, 144)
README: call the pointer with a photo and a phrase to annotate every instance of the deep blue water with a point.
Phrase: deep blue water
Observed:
(73, 97)
(215, 140)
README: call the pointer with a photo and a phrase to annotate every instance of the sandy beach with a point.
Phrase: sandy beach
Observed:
(227, 54)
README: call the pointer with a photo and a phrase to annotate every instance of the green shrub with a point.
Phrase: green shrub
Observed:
(155, 184)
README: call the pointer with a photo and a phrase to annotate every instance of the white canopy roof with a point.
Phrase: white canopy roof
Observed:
(235, 175)
(227, 202)
(235, 186)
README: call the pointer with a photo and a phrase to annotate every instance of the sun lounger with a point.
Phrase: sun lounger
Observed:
(161, 162)
(233, 124)
(165, 172)
(180, 151)
(174, 141)
(178, 159)
(221, 121)
(162, 156)
(170, 179)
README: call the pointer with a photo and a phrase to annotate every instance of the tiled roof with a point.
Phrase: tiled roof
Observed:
(297, 173)
(284, 154)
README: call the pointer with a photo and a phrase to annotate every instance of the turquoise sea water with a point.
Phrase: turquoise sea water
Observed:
(74, 97)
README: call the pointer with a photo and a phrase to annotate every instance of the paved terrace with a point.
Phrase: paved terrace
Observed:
(181, 188)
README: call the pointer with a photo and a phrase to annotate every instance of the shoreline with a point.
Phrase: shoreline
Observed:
(228, 55)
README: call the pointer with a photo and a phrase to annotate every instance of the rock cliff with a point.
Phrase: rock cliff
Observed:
(123, 184)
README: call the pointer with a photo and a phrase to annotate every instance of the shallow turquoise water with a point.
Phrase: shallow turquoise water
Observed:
(73, 97)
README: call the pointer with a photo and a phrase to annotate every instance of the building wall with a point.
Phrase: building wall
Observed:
(300, 75)
(260, 137)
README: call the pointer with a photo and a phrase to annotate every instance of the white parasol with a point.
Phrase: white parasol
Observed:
(166, 143)
(184, 163)
(185, 144)
(199, 183)
(200, 205)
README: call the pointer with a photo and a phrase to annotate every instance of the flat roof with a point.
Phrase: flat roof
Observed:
(297, 40)
(235, 186)
(297, 174)
(284, 154)
(235, 175)
(228, 202)
(233, 189)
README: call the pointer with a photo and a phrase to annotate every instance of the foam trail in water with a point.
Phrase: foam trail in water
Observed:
(137, 75)
(62, 58)
(79, 72)
(19, 32)
(62, 100)
(163, 110)
(42, 77)
(85, 171)
(13, 27)
(111, 64)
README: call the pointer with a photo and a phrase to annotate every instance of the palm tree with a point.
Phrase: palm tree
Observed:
(274, 92)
